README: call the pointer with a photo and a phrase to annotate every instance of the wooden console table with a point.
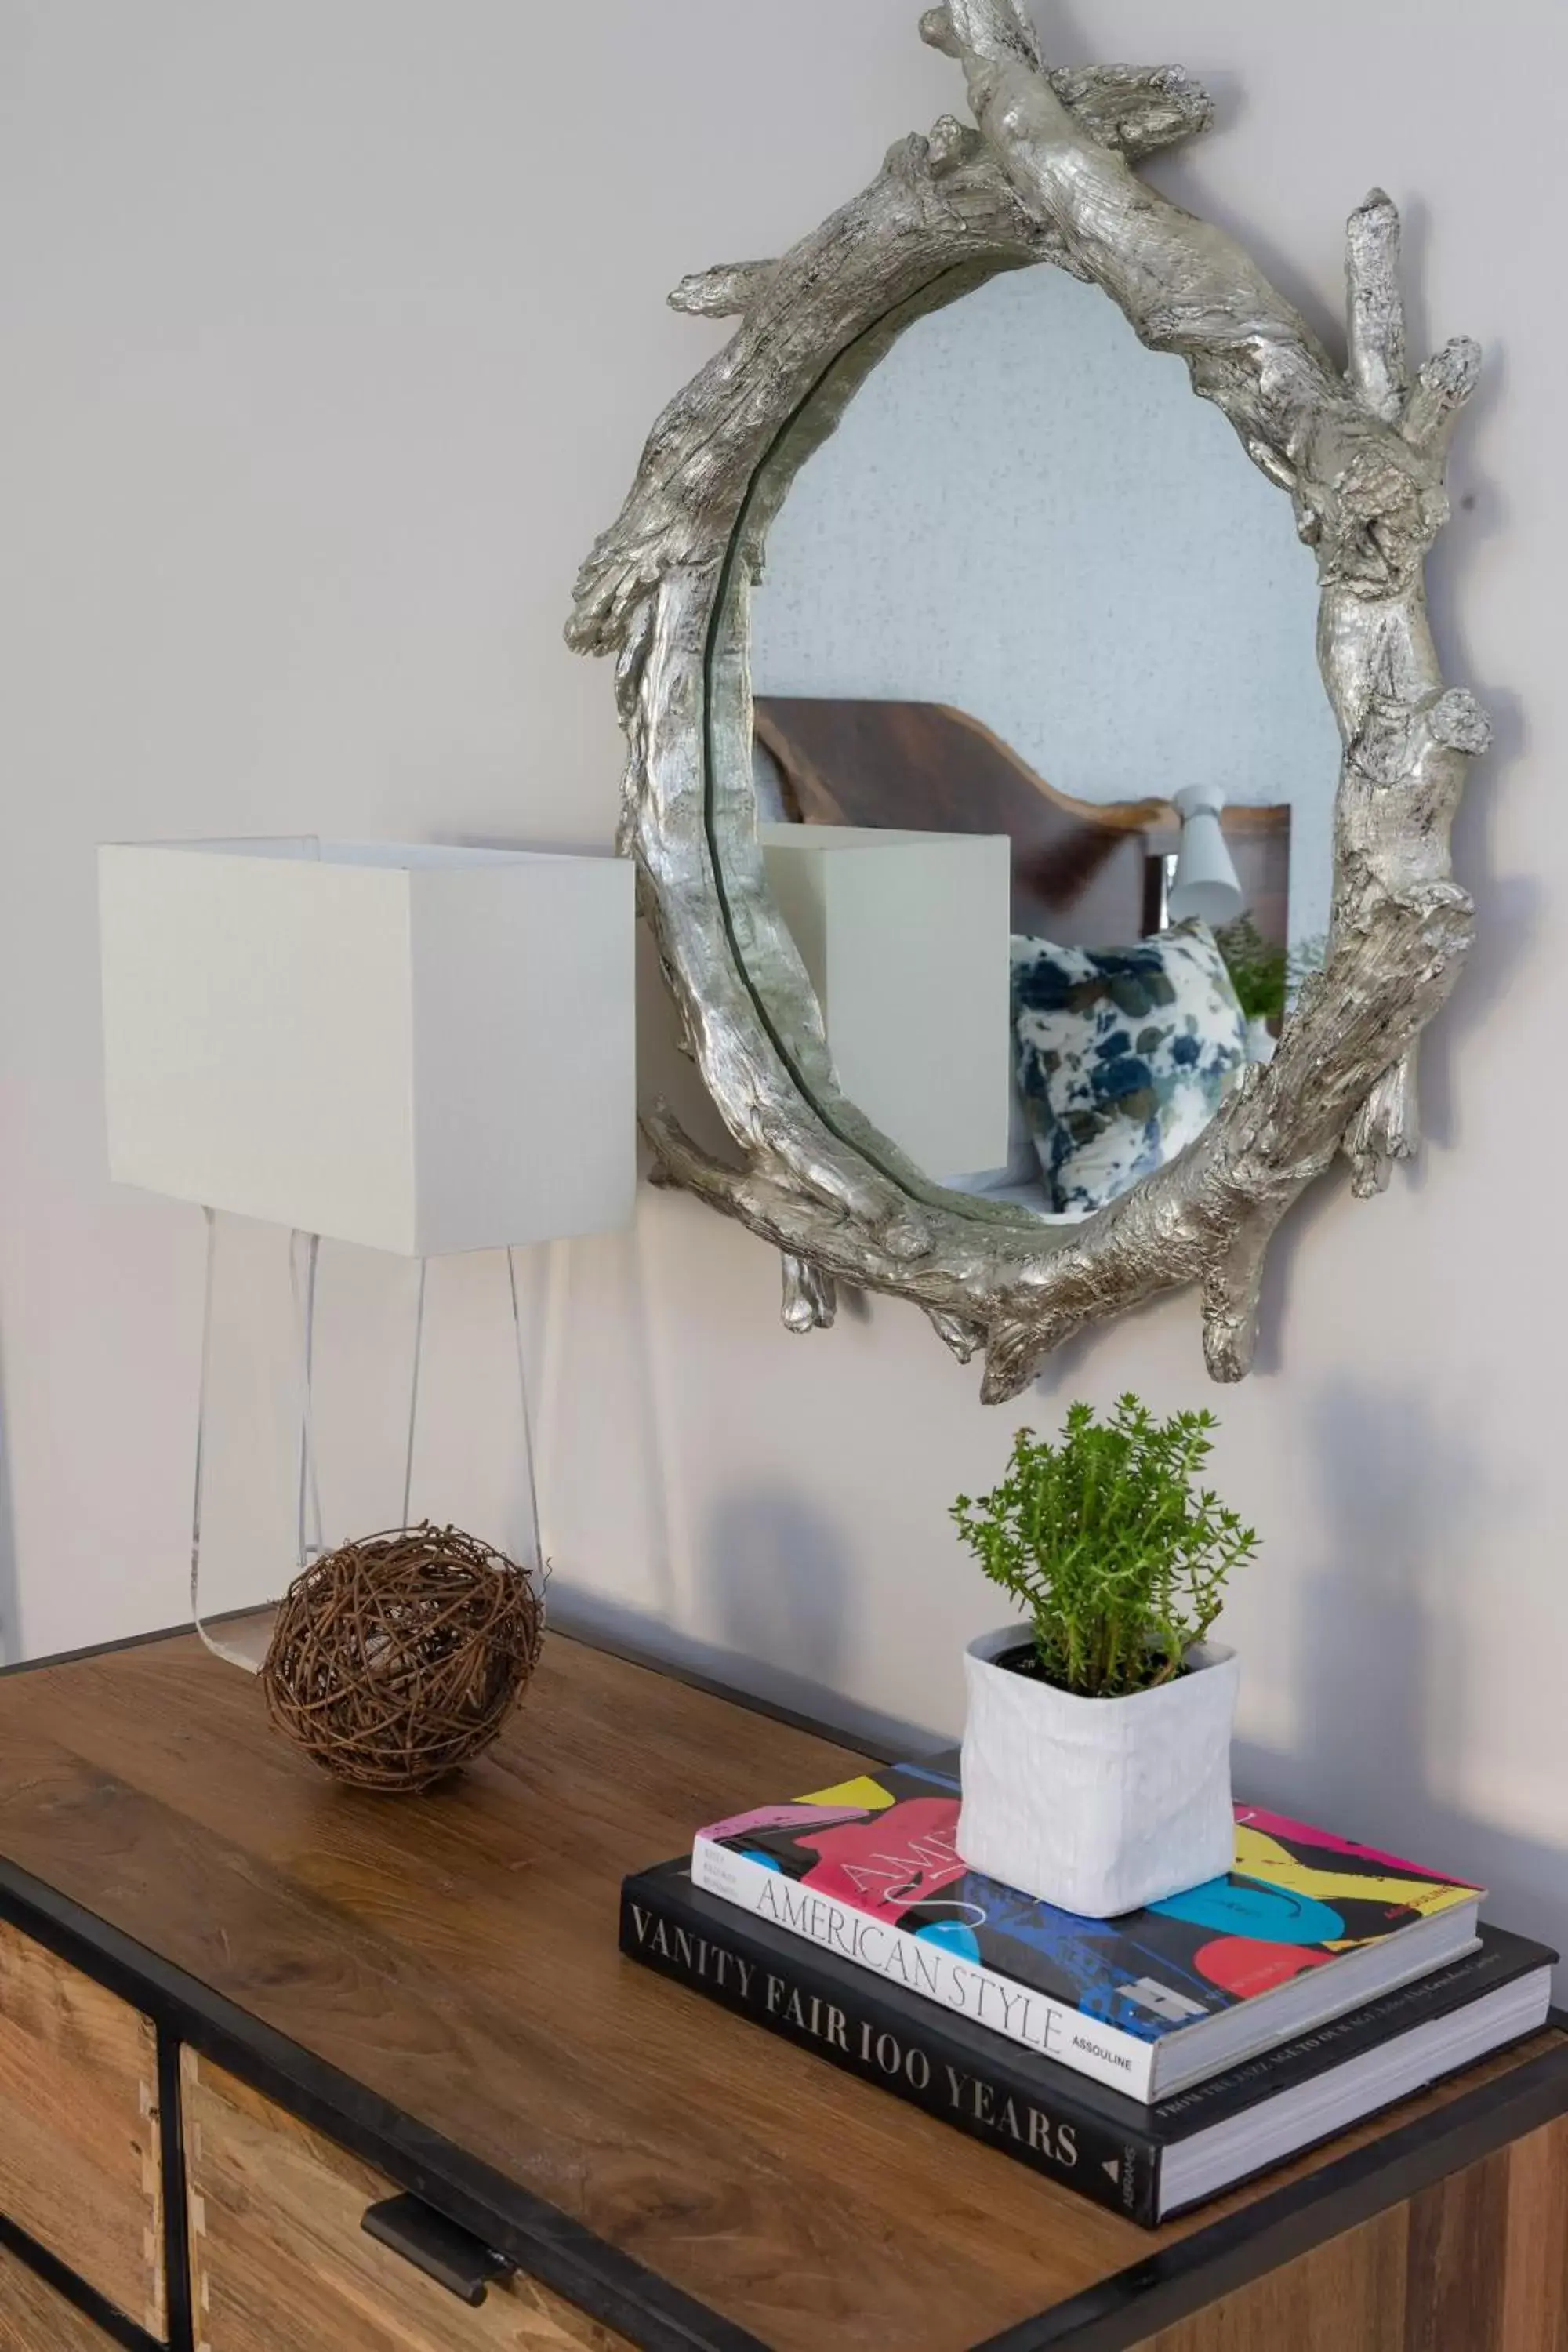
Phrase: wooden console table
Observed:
(239, 2006)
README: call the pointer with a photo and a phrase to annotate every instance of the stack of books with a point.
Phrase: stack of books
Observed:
(1149, 2061)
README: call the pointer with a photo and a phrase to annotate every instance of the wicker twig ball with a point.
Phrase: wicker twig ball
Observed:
(396, 1658)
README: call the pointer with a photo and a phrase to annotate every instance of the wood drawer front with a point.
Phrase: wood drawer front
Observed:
(80, 2166)
(280, 2263)
(33, 2318)
(1477, 2262)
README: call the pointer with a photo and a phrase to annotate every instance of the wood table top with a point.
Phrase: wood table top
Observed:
(456, 1954)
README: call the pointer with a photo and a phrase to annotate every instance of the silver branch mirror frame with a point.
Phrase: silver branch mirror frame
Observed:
(1046, 175)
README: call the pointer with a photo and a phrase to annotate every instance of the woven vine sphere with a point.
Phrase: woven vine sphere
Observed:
(396, 1658)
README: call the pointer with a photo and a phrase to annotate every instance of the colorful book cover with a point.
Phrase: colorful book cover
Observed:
(845, 1866)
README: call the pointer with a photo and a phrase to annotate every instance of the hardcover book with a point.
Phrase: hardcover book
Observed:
(1144, 2162)
(1305, 1926)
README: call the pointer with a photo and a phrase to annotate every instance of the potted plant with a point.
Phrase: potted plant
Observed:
(1267, 979)
(1259, 973)
(1096, 1746)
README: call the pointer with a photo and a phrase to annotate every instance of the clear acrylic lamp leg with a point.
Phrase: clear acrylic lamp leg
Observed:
(344, 1391)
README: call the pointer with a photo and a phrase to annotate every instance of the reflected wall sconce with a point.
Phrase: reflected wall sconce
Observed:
(1204, 887)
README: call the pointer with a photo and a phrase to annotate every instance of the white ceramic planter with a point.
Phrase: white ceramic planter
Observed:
(1099, 1805)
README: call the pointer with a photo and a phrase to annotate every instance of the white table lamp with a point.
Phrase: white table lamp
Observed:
(422, 1051)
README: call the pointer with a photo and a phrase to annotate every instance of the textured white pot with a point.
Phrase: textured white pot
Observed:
(1099, 1805)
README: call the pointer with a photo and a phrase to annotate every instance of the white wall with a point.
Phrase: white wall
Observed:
(331, 332)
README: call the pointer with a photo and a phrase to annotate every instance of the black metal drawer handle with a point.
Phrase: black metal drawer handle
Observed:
(454, 2258)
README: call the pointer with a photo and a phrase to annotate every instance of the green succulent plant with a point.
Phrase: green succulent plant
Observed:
(1259, 972)
(1267, 979)
(1119, 1558)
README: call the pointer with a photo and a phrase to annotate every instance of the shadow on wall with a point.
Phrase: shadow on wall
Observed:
(778, 1584)
(1375, 1691)
(775, 1585)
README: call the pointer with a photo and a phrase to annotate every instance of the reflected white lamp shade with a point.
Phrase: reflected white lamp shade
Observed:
(906, 940)
(1205, 888)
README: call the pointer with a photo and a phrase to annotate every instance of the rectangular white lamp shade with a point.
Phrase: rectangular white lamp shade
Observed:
(421, 1050)
(906, 940)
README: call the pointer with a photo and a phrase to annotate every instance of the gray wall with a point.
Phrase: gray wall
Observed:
(331, 335)
(1026, 515)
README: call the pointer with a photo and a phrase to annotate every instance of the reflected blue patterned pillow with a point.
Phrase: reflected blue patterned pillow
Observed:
(1124, 1055)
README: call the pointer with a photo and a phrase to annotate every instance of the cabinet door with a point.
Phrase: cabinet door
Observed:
(281, 2261)
(80, 2166)
(33, 2318)
(1477, 2262)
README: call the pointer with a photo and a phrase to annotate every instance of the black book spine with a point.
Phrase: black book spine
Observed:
(864, 2035)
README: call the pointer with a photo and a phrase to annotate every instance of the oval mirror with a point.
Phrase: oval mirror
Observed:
(981, 773)
(1021, 610)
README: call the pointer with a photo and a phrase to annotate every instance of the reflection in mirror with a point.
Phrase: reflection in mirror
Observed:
(1045, 767)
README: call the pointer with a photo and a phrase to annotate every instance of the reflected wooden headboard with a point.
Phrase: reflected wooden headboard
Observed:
(1084, 872)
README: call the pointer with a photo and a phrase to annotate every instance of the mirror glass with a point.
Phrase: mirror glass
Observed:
(1045, 772)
